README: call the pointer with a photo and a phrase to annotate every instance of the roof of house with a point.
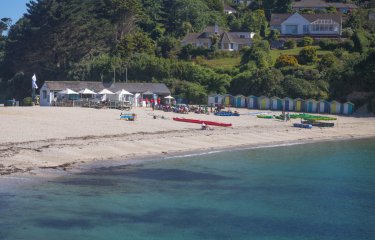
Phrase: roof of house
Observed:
(229, 37)
(278, 19)
(229, 8)
(321, 4)
(157, 88)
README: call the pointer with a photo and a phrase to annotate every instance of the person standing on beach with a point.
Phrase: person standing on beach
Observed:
(146, 102)
(153, 104)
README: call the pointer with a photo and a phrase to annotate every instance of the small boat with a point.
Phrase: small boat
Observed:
(319, 124)
(203, 121)
(301, 125)
(227, 114)
(265, 116)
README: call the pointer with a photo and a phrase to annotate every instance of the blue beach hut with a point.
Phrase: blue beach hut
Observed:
(240, 101)
(348, 108)
(299, 105)
(264, 102)
(218, 100)
(252, 102)
(276, 103)
(323, 106)
(335, 107)
(311, 106)
(288, 104)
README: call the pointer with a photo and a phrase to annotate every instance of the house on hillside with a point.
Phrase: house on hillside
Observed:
(246, 2)
(227, 41)
(323, 5)
(315, 25)
(229, 10)
(50, 89)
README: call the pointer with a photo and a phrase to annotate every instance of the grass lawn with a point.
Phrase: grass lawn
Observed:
(276, 53)
(222, 62)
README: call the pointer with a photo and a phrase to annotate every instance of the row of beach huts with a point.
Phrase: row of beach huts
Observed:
(285, 104)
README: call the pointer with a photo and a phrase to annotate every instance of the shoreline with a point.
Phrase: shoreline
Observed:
(57, 145)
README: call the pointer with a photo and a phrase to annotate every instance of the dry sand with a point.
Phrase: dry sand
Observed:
(38, 138)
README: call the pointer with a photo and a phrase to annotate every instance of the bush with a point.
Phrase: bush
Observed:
(28, 101)
(360, 40)
(347, 32)
(307, 41)
(307, 55)
(286, 61)
(290, 44)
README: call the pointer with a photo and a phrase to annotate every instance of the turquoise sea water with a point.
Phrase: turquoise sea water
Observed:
(313, 191)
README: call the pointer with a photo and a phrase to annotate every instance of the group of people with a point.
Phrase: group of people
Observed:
(152, 102)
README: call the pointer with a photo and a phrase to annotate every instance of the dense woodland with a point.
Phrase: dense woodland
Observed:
(109, 40)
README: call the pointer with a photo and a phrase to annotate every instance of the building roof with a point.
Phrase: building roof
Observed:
(278, 19)
(229, 8)
(321, 4)
(157, 88)
(231, 37)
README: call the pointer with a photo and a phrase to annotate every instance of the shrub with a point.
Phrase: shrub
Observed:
(307, 55)
(360, 40)
(347, 32)
(290, 44)
(286, 61)
(307, 41)
(28, 101)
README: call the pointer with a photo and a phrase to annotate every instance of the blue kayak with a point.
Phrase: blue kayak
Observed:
(301, 125)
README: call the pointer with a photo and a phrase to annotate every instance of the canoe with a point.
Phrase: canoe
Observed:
(265, 116)
(301, 125)
(319, 124)
(227, 114)
(203, 121)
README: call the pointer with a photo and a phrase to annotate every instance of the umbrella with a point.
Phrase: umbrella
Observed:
(67, 91)
(105, 91)
(124, 92)
(169, 97)
(87, 91)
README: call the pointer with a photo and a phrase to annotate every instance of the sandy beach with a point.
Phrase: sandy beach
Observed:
(37, 138)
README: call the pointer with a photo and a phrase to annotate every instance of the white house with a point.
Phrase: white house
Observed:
(229, 10)
(49, 90)
(325, 24)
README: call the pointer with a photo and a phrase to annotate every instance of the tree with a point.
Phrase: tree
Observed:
(307, 41)
(274, 35)
(307, 55)
(290, 44)
(327, 61)
(138, 42)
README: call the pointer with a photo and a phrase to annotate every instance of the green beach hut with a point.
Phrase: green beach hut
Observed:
(335, 107)
(240, 101)
(252, 102)
(348, 108)
(263, 102)
(276, 103)
(288, 104)
(311, 106)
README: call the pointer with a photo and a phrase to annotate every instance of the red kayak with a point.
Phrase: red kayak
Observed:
(203, 121)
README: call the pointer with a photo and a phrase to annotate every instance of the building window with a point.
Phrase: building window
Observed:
(305, 28)
(242, 36)
(44, 94)
(231, 46)
(291, 29)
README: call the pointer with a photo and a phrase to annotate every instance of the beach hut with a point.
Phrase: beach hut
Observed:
(276, 103)
(288, 104)
(228, 100)
(218, 100)
(335, 107)
(252, 102)
(348, 108)
(240, 101)
(323, 106)
(264, 102)
(211, 100)
(311, 106)
(122, 96)
(298, 105)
